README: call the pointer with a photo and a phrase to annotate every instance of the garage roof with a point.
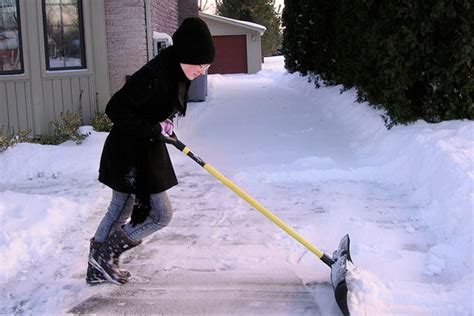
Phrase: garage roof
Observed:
(248, 25)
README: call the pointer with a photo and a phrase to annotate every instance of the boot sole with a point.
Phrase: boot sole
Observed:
(96, 282)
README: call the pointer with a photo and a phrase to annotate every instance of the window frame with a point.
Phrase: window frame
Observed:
(20, 44)
(81, 37)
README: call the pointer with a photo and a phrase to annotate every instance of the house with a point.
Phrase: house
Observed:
(238, 44)
(72, 55)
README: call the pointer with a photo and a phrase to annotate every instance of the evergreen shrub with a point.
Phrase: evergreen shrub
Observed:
(413, 58)
(67, 128)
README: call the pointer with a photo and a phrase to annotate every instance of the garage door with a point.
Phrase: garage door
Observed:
(231, 55)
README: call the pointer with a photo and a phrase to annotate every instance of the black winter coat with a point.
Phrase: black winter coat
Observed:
(134, 160)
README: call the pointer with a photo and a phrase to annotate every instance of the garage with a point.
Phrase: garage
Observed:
(238, 45)
(231, 55)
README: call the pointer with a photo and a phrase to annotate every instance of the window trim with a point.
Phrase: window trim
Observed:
(20, 44)
(81, 37)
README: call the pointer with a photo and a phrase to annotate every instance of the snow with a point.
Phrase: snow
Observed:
(320, 161)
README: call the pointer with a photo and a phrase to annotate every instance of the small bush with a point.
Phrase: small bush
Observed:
(10, 140)
(5, 141)
(65, 129)
(101, 122)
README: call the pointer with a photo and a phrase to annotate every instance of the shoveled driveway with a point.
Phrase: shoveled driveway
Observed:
(209, 261)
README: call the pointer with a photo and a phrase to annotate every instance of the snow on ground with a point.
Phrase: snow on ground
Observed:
(322, 162)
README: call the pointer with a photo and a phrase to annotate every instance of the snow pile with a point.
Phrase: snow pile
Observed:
(34, 222)
(436, 161)
(43, 195)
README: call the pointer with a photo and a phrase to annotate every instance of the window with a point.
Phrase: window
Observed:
(11, 55)
(64, 35)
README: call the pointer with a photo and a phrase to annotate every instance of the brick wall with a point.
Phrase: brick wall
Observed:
(166, 15)
(187, 8)
(126, 31)
(126, 39)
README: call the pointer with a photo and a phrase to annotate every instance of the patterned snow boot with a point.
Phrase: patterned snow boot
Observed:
(104, 259)
(94, 276)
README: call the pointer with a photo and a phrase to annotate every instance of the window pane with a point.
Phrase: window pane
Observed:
(11, 58)
(64, 35)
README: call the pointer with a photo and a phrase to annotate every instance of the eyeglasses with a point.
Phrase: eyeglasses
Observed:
(204, 68)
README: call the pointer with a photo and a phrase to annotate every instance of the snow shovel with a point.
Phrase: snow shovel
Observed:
(340, 256)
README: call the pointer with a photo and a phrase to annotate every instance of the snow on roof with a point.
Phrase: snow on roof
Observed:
(245, 24)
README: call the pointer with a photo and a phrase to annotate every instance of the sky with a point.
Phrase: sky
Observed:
(322, 162)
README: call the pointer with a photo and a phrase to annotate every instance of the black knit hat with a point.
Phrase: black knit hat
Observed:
(193, 42)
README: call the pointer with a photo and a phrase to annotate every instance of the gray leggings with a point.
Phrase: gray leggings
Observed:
(120, 210)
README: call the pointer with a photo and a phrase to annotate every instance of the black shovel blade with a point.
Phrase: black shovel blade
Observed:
(338, 273)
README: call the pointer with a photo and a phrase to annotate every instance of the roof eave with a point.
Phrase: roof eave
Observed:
(261, 29)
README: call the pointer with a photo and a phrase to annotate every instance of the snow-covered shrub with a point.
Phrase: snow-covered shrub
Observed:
(7, 140)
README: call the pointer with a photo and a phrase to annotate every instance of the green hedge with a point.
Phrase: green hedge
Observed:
(413, 58)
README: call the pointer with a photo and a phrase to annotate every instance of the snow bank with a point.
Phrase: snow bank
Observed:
(32, 162)
(45, 196)
(31, 226)
(435, 160)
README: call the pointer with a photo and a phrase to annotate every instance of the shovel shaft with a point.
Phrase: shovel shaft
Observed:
(254, 203)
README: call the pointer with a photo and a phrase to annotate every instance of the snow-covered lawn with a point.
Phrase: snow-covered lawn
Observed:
(320, 161)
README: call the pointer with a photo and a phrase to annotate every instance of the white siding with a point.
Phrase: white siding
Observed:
(31, 101)
(15, 105)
